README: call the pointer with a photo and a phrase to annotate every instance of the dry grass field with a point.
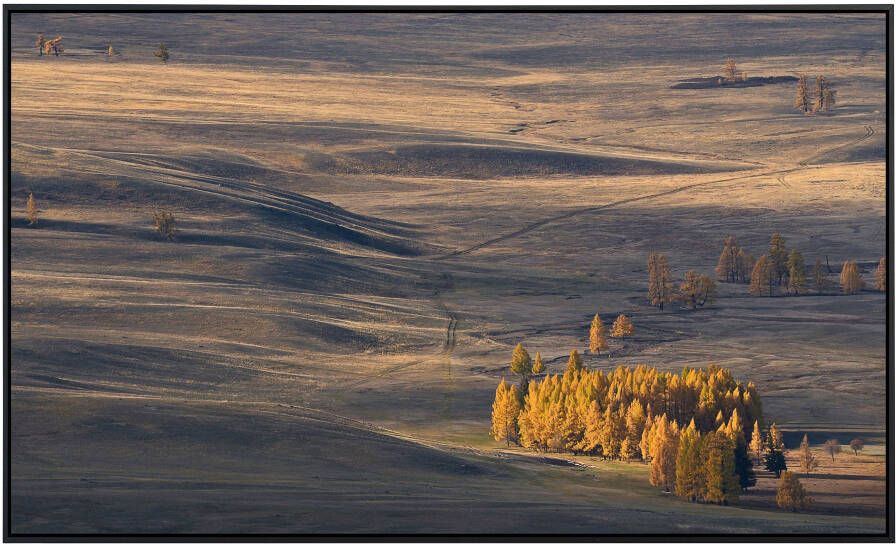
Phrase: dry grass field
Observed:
(373, 209)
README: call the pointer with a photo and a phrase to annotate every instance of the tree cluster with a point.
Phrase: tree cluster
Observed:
(823, 99)
(695, 291)
(45, 46)
(735, 263)
(641, 413)
(783, 269)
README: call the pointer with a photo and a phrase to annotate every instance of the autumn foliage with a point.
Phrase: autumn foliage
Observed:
(622, 327)
(851, 281)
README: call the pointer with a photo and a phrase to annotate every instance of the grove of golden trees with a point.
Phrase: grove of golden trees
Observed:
(597, 339)
(690, 426)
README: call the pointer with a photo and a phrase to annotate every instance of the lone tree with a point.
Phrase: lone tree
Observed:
(162, 53)
(796, 271)
(857, 445)
(622, 327)
(730, 70)
(697, 289)
(880, 275)
(791, 493)
(165, 224)
(820, 276)
(537, 365)
(597, 339)
(832, 447)
(505, 413)
(31, 210)
(659, 283)
(851, 281)
(521, 362)
(762, 277)
(808, 460)
(802, 95)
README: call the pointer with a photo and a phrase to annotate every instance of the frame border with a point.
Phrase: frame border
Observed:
(9, 536)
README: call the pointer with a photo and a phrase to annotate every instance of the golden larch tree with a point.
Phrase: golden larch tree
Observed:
(880, 275)
(689, 481)
(762, 277)
(659, 282)
(537, 365)
(597, 339)
(520, 361)
(634, 427)
(851, 281)
(757, 446)
(574, 363)
(722, 483)
(622, 327)
(777, 254)
(796, 271)
(31, 210)
(818, 99)
(791, 493)
(832, 447)
(801, 102)
(505, 413)
(697, 289)
(726, 268)
(664, 452)
(744, 264)
(808, 460)
(730, 70)
(820, 276)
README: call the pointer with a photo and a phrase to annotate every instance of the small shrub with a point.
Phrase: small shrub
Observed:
(165, 224)
(162, 53)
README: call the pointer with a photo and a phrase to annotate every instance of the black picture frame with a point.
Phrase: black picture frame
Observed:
(10, 9)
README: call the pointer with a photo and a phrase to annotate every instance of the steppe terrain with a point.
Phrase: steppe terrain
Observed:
(373, 209)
